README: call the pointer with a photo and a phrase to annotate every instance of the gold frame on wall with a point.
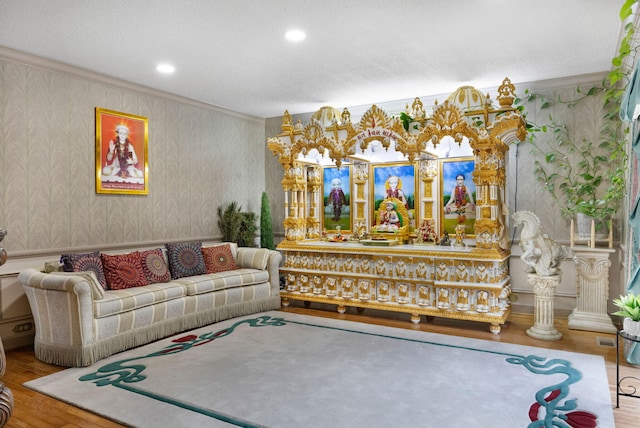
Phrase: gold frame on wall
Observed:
(123, 168)
(449, 170)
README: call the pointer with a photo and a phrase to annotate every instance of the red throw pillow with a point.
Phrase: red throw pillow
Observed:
(123, 271)
(218, 258)
(154, 266)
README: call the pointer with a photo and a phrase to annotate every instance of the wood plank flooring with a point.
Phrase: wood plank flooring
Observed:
(33, 409)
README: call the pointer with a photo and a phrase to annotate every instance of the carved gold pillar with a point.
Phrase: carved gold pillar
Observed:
(294, 184)
(489, 178)
(313, 188)
(428, 171)
(360, 177)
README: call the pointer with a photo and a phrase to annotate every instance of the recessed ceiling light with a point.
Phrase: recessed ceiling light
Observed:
(295, 35)
(165, 68)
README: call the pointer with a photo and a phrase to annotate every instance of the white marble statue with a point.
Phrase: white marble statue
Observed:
(542, 254)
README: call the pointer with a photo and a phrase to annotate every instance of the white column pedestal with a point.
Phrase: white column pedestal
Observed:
(544, 291)
(592, 290)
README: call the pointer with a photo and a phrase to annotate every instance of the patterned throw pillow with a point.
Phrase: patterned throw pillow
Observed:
(218, 258)
(154, 266)
(85, 262)
(124, 271)
(185, 259)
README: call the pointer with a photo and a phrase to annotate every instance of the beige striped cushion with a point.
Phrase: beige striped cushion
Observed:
(119, 301)
(96, 289)
(255, 258)
(223, 280)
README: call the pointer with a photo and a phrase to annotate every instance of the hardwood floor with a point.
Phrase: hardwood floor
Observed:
(33, 409)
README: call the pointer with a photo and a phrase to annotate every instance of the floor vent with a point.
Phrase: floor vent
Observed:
(606, 341)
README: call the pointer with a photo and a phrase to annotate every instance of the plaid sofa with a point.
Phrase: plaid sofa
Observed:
(77, 325)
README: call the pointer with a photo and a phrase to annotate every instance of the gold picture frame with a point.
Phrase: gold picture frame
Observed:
(462, 211)
(336, 197)
(404, 188)
(122, 165)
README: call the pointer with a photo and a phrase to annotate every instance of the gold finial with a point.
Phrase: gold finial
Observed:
(287, 122)
(346, 116)
(506, 93)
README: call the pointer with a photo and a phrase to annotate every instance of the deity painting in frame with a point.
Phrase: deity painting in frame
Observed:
(394, 181)
(121, 153)
(336, 185)
(458, 195)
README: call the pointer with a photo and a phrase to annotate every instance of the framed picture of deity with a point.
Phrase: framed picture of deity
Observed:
(121, 153)
(395, 183)
(458, 196)
(336, 198)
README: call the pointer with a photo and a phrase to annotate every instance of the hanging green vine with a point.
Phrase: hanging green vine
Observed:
(586, 176)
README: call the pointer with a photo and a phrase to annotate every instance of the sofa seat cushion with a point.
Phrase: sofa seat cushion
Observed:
(128, 299)
(222, 280)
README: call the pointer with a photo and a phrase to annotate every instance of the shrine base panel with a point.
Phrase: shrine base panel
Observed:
(464, 284)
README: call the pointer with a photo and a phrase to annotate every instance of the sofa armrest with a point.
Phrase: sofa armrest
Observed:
(62, 307)
(265, 259)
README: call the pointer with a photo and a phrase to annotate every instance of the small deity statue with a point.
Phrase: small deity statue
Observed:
(460, 235)
(427, 232)
(389, 220)
(445, 241)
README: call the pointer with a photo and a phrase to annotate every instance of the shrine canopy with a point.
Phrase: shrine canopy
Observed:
(468, 130)
(452, 129)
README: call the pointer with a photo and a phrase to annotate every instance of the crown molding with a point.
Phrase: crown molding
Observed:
(30, 60)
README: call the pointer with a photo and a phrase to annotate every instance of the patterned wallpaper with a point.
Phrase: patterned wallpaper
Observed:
(199, 159)
(584, 120)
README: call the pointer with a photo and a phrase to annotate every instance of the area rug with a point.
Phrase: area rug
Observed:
(278, 369)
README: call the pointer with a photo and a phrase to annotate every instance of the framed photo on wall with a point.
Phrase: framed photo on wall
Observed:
(336, 184)
(396, 180)
(121, 153)
(458, 195)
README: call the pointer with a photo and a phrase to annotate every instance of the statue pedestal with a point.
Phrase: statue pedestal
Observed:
(544, 290)
(592, 290)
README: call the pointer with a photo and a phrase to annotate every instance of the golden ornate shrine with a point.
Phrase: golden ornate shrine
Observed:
(468, 280)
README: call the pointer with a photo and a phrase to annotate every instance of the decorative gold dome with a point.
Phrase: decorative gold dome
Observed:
(467, 98)
(326, 115)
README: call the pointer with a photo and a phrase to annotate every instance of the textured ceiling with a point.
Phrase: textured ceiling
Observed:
(233, 53)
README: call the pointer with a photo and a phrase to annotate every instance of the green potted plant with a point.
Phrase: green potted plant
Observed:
(586, 178)
(266, 224)
(629, 309)
(229, 221)
(237, 226)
